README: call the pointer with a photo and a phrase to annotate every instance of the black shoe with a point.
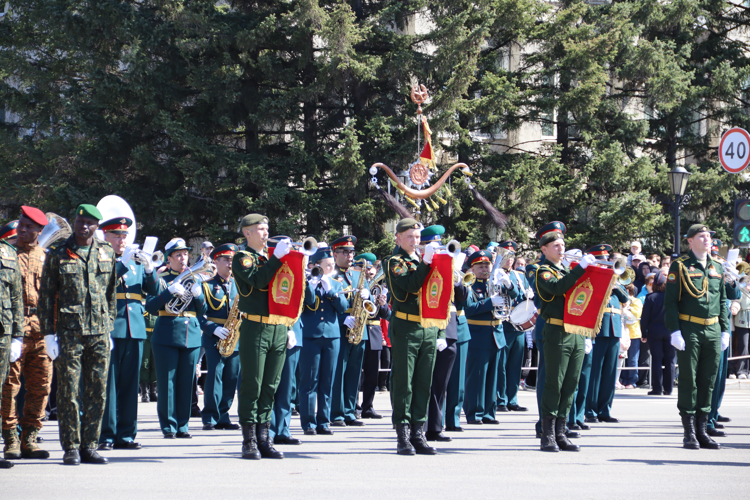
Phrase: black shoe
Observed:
(226, 427)
(371, 414)
(437, 436)
(723, 419)
(583, 426)
(453, 429)
(289, 440)
(501, 408)
(105, 446)
(548, 442)
(516, 408)
(382, 388)
(718, 426)
(490, 421)
(404, 447)
(310, 432)
(474, 422)
(5, 464)
(265, 444)
(209, 427)
(561, 437)
(92, 457)
(72, 457)
(704, 440)
(419, 443)
(338, 423)
(325, 431)
(354, 423)
(295, 412)
(195, 412)
(654, 393)
(153, 393)
(144, 392)
(574, 427)
(590, 420)
(126, 445)
(169, 435)
(183, 435)
(715, 432)
(609, 420)
(571, 434)
(249, 442)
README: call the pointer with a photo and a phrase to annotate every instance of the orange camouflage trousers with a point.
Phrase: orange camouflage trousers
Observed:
(36, 368)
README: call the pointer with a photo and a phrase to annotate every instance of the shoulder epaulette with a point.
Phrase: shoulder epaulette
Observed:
(682, 258)
(162, 274)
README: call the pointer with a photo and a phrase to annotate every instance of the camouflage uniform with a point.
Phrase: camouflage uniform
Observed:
(78, 287)
(11, 317)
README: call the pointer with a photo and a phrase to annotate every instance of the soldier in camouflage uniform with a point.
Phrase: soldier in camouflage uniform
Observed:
(78, 287)
(11, 337)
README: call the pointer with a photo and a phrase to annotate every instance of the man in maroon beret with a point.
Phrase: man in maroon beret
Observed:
(33, 364)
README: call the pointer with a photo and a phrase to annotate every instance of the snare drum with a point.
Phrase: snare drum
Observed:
(523, 316)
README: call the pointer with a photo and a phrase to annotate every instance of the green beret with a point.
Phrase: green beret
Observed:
(408, 223)
(697, 228)
(87, 210)
(369, 257)
(253, 219)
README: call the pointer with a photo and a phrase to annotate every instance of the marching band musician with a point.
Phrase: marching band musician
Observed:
(487, 339)
(223, 372)
(606, 352)
(414, 346)
(77, 310)
(563, 352)
(33, 363)
(455, 394)
(322, 342)
(511, 355)
(263, 345)
(176, 342)
(120, 422)
(9, 232)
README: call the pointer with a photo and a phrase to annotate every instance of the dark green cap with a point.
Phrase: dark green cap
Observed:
(408, 223)
(697, 228)
(87, 210)
(253, 219)
(369, 257)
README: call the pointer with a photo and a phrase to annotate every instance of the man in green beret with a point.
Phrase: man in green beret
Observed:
(696, 314)
(79, 290)
(413, 345)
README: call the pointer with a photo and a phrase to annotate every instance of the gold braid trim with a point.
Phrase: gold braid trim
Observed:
(536, 282)
(691, 289)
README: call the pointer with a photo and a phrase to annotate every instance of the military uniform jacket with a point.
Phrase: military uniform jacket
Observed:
(373, 332)
(217, 296)
(458, 328)
(480, 309)
(611, 320)
(348, 280)
(253, 273)
(175, 331)
(11, 292)
(320, 318)
(702, 295)
(132, 284)
(520, 285)
(31, 264)
(552, 282)
(82, 284)
(531, 270)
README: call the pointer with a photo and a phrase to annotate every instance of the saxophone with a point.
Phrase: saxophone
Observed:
(361, 309)
(226, 346)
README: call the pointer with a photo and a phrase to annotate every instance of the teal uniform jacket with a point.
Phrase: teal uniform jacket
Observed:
(217, 296)
(462, 327)
(612, 321)
(175, 331)
(520, 285)
(480, 309)
(348, 280)
(320, 316)
(133, 283)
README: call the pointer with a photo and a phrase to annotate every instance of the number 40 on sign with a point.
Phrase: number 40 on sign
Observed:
(734, 150)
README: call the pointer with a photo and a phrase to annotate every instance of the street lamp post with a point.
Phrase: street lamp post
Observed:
(678, 179)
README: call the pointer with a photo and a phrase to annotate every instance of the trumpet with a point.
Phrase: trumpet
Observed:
(156, 258)
(618, 266)
(731, 275)
(308, 246)
(453, 248)
(627, 277)
(315, 272)
(465, 279)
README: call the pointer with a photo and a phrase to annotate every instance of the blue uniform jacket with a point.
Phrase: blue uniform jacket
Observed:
(133, 283)
(175, 331)
(480, 309)
(320, 319)
(612, 322)
(217, 305)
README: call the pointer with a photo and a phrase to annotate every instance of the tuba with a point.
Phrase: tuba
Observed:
(226, 346)
(57, 229)
(203, 270)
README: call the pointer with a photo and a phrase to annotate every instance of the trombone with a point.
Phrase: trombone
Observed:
(618, 266)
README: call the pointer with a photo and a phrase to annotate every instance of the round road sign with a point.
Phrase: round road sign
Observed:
(734, 150)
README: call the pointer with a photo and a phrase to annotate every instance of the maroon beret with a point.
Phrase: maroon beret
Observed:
(34, 214)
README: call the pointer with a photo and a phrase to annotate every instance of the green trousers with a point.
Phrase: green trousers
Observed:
(262, 356)
(413, 351)
(148, 367)
(563, 357)
(699, 363)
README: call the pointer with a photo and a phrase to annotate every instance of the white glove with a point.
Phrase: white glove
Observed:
(429, 252)
(497, 300)
(221, 332)
(325, 283)
(587, 346)
(51, 345)
(350, 321)
(586, 260)
(364, 293)
(724, 340)
(677, 341)
(503, 278)
(196, 289)
(16, 346)
(291, 339)
(441, 345)
(176, 289)
(529, 293)
(282, 248)
(111, 343)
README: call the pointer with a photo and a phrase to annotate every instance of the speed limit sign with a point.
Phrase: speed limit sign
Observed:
(734, 150)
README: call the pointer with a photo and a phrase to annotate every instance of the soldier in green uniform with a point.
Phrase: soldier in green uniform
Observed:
(149, 393)
(262, 344)
(696, 314)
(414, 346)
(11, 338)
(79, 289)
(563, 352)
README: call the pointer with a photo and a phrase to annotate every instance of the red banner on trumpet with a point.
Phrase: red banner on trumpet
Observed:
(286, 293)
(436, 294)
(586, 301)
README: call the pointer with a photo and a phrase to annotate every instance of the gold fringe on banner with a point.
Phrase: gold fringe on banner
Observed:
(589, 332)
(441, 324)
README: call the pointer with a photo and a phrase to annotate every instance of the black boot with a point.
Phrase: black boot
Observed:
(152, 392)
(689, 440)
(265, 445)
(548, 434)
(404, 446)
(144, 392)
(249, 445)
(6, 464)
(704, 439)
(419, 442)
(562, 440)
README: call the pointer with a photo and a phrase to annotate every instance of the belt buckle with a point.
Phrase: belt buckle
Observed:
(127, 295)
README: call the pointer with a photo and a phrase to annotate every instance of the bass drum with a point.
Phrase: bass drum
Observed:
(112, 206)
(523, 316)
